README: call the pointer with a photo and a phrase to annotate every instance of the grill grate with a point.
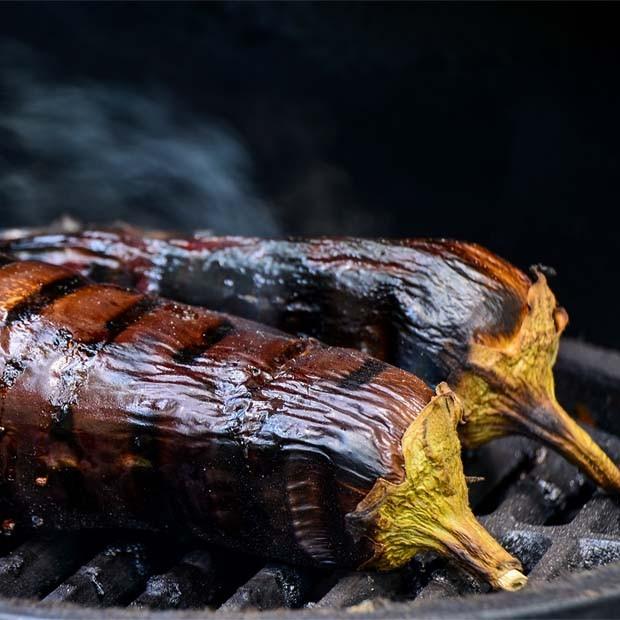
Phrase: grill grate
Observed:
(539, 507)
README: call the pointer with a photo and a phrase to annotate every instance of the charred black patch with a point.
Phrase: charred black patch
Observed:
(370, 369)
(130, 316)
(46, 295)
(211, 337)
(188, 355)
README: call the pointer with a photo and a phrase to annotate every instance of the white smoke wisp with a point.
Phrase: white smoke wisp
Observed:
(101, 153)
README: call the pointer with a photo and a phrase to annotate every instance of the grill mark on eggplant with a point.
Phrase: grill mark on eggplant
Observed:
(210, 337)
(293, 351)
(46, 295)
(357, 378)
(132, 315)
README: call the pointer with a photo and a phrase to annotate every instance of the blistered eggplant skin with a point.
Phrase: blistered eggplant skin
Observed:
(415, 303)
(121, 409)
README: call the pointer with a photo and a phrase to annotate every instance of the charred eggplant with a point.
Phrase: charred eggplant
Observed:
(125, 410)
(445, 310)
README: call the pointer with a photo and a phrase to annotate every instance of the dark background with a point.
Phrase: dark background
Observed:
(496, 123)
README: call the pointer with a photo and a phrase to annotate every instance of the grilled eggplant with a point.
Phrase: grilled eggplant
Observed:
(445, 310)
(124, 410)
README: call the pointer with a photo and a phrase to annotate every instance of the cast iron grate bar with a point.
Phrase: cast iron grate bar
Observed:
(354, 588)
(193, 582)
(112, 577)
(273, 586)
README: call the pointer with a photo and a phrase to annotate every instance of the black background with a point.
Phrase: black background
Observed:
(496, 123)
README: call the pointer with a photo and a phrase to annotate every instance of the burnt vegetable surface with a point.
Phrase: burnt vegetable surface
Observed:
(444, 310)
(124, 410)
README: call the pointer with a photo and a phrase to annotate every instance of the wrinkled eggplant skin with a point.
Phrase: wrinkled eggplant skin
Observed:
(416, 303)
(120, 409)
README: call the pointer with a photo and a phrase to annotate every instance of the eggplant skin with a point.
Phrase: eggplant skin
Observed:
(121, 409)
(444, 310)
(418, 304)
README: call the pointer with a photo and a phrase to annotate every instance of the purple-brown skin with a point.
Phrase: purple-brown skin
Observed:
(414, 303)
(123, 410)
(423, 305)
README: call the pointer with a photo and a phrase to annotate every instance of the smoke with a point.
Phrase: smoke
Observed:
(112, 154)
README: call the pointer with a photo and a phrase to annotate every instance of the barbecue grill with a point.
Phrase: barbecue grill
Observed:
(564, 531)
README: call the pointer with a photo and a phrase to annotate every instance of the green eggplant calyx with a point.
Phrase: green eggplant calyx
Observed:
(508, 387)
(428, 510)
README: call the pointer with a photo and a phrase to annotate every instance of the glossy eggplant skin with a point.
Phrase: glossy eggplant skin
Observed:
(121, 409)
(418, 304)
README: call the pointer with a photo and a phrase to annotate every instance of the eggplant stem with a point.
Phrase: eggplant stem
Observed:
(429, 510)
(557, 429)
(512, 580)
(508, 387)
